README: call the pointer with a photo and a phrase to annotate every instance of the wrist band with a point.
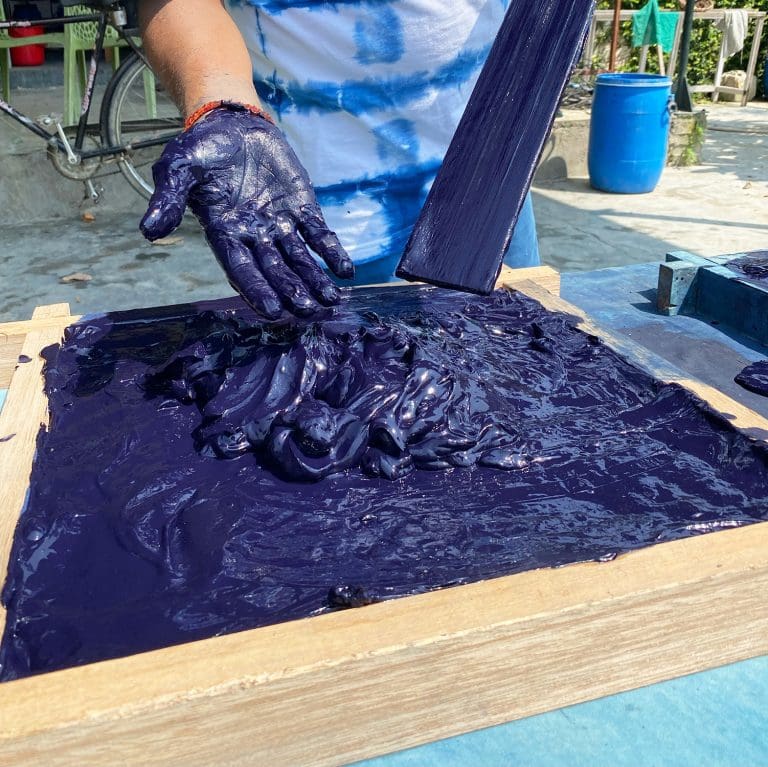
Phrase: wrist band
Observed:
(234, 105)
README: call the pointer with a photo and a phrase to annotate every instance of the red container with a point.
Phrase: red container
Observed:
(27, 55)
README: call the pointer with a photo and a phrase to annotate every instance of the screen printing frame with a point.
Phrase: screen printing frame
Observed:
(343, 686)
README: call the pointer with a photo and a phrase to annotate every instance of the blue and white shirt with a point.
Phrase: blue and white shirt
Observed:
(369, 93)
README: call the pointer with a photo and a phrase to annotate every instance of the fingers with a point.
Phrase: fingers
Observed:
(286, 283)
(308, 270)
(271, 275)
(325, 243)
(173, 181)
(244, 275)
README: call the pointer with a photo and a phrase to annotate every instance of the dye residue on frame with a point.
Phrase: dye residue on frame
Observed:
(752, 266)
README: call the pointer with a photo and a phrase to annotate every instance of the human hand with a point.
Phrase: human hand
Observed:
(254, 199)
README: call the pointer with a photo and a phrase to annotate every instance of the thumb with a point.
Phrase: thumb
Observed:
(173, 182)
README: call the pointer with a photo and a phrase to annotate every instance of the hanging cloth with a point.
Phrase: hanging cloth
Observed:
(652, 27)
(734, 26)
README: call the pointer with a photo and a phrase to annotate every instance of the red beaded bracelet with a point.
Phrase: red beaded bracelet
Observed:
(211, 105)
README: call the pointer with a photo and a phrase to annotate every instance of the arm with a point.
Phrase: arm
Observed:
(234, 167)
(197, 52)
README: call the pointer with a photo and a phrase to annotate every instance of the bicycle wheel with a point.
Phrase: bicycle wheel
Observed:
(138, 114)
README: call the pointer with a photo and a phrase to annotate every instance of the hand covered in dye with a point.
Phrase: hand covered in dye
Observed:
(254, 199)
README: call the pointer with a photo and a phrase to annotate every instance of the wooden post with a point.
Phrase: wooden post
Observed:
(615, 36)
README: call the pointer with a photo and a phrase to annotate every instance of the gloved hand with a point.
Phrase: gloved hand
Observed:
(253, 197)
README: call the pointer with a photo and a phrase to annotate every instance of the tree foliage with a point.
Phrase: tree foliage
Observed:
(705, 43)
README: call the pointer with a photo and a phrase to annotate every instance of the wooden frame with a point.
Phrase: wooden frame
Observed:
(348, 685)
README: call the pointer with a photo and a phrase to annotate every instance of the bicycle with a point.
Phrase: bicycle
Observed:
(137, 118)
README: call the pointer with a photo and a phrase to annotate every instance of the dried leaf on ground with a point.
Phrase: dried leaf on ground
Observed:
(76, 277)
(169, 241)
(88, 217)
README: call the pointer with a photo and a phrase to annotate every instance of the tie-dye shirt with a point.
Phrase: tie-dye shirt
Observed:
(369, 93)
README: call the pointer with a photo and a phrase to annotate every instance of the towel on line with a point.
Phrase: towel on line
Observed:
(650, 26)
(734, 26)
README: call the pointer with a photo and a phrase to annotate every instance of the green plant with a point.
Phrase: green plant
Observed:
(692, 152)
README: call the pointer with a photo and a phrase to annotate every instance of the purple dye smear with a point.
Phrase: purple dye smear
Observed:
(7, 437)
(476, 198)
(753, 266)
(755, 378)
(23, 358)
(136, 537)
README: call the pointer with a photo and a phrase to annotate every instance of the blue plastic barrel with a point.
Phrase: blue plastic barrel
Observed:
(629, 132)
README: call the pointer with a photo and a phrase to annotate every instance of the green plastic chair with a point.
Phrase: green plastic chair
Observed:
(79, 39)
(7, 42)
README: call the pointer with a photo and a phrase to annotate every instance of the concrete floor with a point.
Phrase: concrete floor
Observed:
(718, 207)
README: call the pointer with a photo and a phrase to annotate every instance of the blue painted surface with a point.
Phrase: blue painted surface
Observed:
(714, 718)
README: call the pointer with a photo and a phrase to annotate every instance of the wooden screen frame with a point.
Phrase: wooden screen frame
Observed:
(348, 685)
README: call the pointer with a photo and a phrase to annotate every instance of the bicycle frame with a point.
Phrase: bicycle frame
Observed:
(116, 16)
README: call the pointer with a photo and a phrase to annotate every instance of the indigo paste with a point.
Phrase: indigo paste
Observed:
(753, 266)
(755, 378)
(204, 473)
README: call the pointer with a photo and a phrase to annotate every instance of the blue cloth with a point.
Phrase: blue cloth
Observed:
(369, 94)
(524, 247)
(650, 26)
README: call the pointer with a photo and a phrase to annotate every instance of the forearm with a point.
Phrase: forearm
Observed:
(197, 52)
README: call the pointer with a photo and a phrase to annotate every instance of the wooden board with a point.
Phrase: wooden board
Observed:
(466, 224)
(348, 685)
(24, 411)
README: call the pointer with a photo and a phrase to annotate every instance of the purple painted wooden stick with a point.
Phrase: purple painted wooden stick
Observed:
(467, 221)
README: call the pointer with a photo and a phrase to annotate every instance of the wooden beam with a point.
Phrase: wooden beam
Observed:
(544, 276)
(24, 411)
(10, 349)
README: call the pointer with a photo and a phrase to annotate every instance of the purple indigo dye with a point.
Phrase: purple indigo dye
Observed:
(753, 266)
(253, 198)
(7, 437)
(755, 378)
(350, 596)
(137, 535)
(467, 221)
(23, 358)
(302, 398)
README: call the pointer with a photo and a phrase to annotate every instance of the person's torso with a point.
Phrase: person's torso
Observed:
(369, 93)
